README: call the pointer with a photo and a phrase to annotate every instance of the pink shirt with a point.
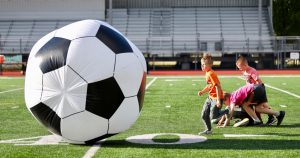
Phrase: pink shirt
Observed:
(237, 97)
(251, 76)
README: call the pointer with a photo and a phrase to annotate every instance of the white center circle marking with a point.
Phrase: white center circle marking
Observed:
(183, 139)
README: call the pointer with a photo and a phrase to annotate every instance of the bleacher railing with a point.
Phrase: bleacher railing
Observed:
(175, 45)
(171, 45)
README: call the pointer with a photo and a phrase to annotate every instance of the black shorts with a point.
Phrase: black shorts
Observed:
(240, 114)
(260, 95)
(243, 114)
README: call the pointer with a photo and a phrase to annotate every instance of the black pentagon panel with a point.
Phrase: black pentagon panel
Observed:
(53, 54)
(104, 97)
(93, 141)
(141, 92)
(47, 117)
(113, 40)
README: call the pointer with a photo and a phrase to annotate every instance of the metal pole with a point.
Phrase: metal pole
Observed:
(271, 15)
(0, 41)
(172, 45)
(248, 44)
(236, 57)
(1, 69)
(153, 61)
(195, 62)
(259, 23)
(276, 51)
(110, 11)
(20, 46)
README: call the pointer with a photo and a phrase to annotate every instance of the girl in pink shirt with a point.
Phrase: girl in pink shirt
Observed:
(250, 94)
(251, 77)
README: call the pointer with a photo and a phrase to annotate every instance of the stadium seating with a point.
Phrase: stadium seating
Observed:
(188, 29)
(18, 37)
(162, 30)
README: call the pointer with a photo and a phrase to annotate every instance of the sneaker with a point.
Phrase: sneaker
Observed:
(271, 120)
(244, 122)
(206, 132)
(218, 118)
(226, 111)
(257, 123)
(237, 121)
(215, 121)
(280, 117)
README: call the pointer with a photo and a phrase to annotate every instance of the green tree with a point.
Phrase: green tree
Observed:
(286, 17)
(294, 23)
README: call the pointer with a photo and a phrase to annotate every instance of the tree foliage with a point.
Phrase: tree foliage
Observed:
(286, 17)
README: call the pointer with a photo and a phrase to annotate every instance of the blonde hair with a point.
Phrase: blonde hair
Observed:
(207, 58)
(242, 61)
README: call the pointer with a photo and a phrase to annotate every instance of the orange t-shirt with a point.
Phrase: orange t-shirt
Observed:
(212, 80)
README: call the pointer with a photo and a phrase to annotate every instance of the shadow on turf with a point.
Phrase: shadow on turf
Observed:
(236, 144)
(297, 125)
(283, 134)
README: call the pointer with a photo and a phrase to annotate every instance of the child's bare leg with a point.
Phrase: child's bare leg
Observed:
(271, 118)
(251, 112)
(265, 105)
(221, 120)
(265, 108)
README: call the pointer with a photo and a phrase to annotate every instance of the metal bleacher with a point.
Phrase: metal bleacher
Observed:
(18, 36)
(169, 30)
(162, 30)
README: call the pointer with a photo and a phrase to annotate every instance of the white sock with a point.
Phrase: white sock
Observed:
(256, 120)
(277, 113)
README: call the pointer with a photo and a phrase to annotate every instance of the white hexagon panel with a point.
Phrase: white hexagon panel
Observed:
(85, 82)
(64, 91)
(84, 57)
(84, 28)
(128, 71)
(81, 127)
(125, 116)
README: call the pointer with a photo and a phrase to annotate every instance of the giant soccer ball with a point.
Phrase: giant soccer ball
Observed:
(85, 81)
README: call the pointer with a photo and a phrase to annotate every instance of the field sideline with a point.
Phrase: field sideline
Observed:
(171, 106)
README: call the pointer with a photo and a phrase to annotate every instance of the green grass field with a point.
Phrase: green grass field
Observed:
(171, 106)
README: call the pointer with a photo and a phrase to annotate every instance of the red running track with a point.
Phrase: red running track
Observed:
(226, 72)
(191, 72)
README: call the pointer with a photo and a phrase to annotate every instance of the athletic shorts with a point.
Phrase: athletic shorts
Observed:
(243, 114)
(260, 95)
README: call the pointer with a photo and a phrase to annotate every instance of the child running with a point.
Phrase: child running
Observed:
(213, 104)
(256, 94)
(251, 76)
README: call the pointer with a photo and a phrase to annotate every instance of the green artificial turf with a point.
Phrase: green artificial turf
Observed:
(171, 105)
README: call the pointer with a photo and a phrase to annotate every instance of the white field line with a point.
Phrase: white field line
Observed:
(92, 151)
(12, 90)
(10, 78)
(278, 89)
(187, 77)
(279, 76)
(271, 76)
(21, 139)
(173, 80)
(284, 106)
(151, 82)
(49, 140)
(247, 135)
(223, 76)
(284, 91)
(198, 80)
